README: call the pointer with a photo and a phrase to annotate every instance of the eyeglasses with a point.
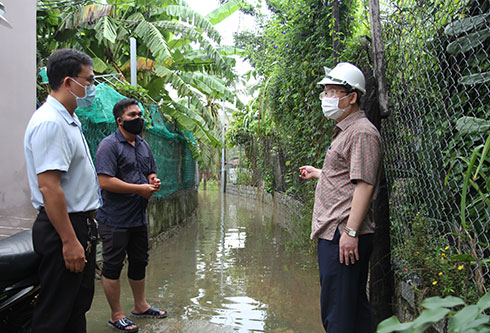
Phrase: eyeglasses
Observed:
(90, 79)
(331, 93)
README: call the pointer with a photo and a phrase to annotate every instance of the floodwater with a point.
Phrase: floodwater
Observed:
(227, 272)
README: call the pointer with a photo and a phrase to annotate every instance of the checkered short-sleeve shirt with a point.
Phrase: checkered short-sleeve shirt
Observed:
(355, 154)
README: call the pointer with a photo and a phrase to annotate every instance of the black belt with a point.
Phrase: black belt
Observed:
(88, 214)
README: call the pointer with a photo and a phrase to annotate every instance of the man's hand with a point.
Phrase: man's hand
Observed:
(74, 256)
(153, 180)
(147, 190)
(309, 172)
(348, 249)
(116, 185)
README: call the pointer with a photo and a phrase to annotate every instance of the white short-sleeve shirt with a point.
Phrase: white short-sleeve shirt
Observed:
(54, 141)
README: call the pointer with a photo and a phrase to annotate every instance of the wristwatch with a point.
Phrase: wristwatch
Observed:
(350, 232)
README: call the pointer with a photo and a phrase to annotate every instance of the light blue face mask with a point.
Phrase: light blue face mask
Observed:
(89, 97)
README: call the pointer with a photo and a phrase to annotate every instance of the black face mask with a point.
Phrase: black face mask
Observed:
(134, 126)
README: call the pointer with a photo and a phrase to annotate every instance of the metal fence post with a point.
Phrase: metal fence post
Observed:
(132, 49)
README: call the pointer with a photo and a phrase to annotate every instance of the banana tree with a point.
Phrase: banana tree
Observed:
(177, 47)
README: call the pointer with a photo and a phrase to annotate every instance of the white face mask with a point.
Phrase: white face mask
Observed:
(330, 107)
(89, 97)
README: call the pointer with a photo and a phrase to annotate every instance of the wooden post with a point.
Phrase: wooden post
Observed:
(381, 286)
(379, 57)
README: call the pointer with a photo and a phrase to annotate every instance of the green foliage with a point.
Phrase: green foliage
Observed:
(441, 266)
(432, 263)
(219, 14)
(211, 186)
(302, 229)
(469, 318)
(289, 55)
(164, 31)
(138, 93)
(244, 177)
(475, 195)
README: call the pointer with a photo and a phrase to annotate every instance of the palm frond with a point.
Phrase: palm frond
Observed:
(222, 12)
(179, 28)
(214, 54)
(154, 40)
(189, 121)
(231, 50)
(172, 78)
(83, 15)
(105, 29)
(196, 19)
(181, 86)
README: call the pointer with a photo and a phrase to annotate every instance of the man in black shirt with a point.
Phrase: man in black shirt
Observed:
(127, 175)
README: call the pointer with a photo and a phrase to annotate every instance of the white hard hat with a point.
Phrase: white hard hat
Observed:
(345, 74)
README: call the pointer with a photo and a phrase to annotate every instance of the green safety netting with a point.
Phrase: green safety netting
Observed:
(176, 167)
(44, 75)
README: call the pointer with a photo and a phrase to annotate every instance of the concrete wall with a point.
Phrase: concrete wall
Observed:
(288, 206)
(166, 215)
(408, 302)
(17, 103)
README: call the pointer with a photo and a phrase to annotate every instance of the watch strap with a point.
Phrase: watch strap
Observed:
(350, 232)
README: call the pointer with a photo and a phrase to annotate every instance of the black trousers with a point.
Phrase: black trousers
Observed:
(344, 304)
(64, 297)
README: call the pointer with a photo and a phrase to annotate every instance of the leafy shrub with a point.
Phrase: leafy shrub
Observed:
(428, 262)
(462, 317)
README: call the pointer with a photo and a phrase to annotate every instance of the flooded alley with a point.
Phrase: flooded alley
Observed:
(227, 272)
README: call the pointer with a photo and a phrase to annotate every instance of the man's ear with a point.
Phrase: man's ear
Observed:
(66, 82)
(356, 96)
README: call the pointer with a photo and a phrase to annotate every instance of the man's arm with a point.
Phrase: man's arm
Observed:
(55, 206)
(116, 185)
(360, 205)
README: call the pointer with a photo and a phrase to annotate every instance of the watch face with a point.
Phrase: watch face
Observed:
(350, 232)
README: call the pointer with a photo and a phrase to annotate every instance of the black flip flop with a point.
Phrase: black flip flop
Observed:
(122, 324)
(150, 313)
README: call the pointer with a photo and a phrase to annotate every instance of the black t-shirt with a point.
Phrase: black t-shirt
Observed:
(116, 157)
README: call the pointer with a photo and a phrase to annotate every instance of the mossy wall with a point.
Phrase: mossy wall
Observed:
(167, 214)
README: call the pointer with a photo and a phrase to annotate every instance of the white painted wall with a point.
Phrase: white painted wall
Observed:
(17, 103)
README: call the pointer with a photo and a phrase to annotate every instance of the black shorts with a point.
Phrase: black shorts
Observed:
(116, 243)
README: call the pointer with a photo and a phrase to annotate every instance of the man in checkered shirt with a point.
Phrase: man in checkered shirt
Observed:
(342, 215)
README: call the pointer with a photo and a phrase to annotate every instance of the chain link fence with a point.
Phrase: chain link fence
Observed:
(438, 72)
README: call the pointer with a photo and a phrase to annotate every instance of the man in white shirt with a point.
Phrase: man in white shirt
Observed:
(65, 191)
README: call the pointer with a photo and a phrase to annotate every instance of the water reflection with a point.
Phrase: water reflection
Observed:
(241, 311)
(227, 272)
